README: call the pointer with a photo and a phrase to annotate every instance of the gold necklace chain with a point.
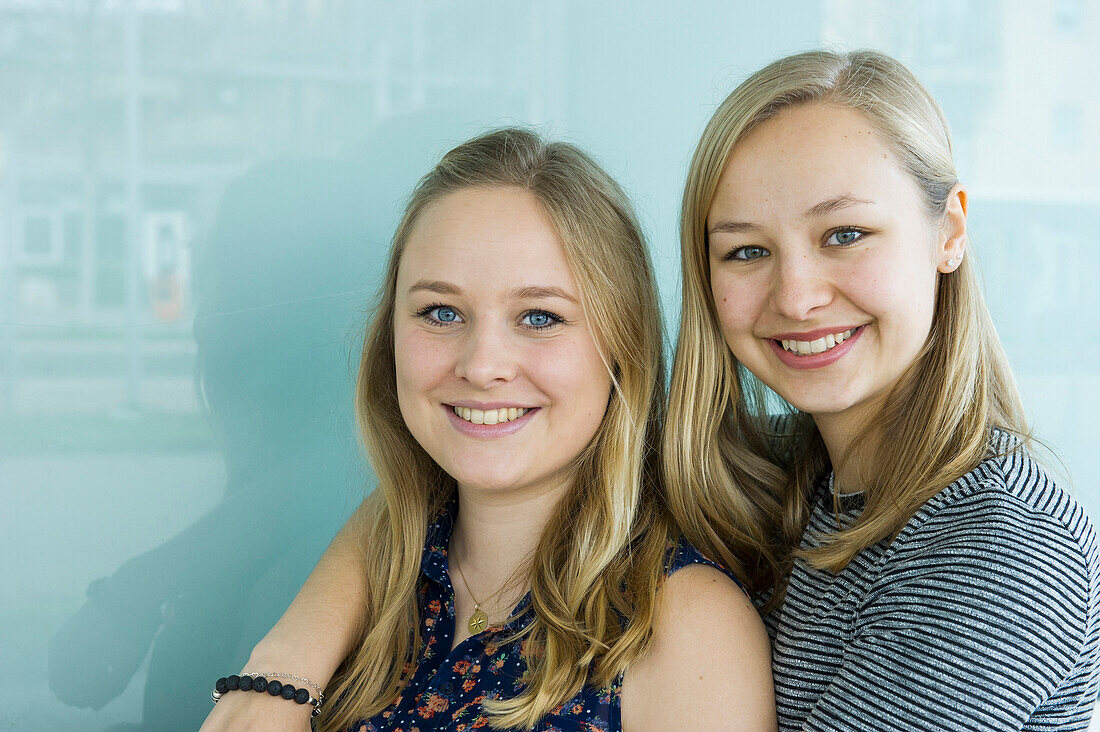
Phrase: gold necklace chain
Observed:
(478, 620)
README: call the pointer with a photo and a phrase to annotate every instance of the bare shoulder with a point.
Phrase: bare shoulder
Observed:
(706, 597)
(709, 666)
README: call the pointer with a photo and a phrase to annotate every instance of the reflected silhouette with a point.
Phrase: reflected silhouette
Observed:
(291, 261)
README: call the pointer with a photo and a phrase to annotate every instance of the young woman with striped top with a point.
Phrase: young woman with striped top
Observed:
(917, 569)
(930, 574)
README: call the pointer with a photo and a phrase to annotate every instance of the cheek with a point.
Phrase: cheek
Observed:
(575, 376)
(738, 302)
(420, 361)
(899, 294)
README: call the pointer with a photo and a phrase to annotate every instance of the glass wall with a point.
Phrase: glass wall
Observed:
(195, 199)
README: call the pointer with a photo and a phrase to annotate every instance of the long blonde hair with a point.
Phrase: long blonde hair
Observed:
(748, 481)
(600, 558)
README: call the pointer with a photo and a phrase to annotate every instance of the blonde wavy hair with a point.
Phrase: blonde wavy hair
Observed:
(747, 476)
(601, 557)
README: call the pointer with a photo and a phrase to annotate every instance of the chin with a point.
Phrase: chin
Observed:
(486, 482)
(815, 404)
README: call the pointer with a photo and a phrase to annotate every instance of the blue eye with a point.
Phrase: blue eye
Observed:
(439, 315)
(748, 254)
(540, 319)
(844, 237)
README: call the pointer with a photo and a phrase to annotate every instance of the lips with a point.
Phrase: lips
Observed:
(805, 353)
(817, 345)
(508, 419)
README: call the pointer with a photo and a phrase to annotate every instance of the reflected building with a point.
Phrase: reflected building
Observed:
(124, 119)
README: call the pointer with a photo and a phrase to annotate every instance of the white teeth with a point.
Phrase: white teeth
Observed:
(489, 416)
(805, 348)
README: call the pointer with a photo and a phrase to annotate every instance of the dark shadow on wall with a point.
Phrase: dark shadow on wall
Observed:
(282, 284)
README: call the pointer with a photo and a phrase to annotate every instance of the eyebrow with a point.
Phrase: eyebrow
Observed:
(733, 227)
(822, 209)
(834, 204)
(532, 292)
(437, 286)
(537, 292)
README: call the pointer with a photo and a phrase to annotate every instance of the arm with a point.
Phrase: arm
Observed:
(709, 666)
(974, 632)
(95, 654)
(310, 640)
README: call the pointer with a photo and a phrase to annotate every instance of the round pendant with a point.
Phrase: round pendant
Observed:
(477, 621)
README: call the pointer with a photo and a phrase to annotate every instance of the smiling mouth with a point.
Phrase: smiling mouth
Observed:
(490, 416)
(820, 345)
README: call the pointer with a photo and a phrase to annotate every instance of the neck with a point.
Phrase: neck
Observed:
(850, 462)
(494, 536)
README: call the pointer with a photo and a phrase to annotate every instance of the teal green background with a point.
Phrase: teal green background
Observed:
(195, 201)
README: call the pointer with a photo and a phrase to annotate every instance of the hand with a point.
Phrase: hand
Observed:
(247, 711)
(93, 656)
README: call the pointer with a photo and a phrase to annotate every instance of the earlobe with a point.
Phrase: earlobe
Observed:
(953, 247)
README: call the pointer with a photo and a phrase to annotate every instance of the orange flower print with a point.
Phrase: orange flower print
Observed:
(462, 667)
(435, 606)
(437, 703)
(468, 685)
(528, 650)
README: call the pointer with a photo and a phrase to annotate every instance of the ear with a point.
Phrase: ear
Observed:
(952, 242)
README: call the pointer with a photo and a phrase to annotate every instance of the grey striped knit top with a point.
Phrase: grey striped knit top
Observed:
(983, 614)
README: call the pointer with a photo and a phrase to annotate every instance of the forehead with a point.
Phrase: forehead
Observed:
(492, 238)
(808, 154)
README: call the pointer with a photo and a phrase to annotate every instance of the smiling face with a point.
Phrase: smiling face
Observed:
(823, 260)
(498, 376)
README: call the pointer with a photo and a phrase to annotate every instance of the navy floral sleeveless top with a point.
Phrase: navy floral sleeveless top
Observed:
(448, 686)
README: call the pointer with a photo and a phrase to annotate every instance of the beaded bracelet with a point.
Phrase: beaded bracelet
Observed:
(269, 675)
(259, 683)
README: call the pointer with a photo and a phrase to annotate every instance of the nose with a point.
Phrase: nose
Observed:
(800, 284)
(486, 356)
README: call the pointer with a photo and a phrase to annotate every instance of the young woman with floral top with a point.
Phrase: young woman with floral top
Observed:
(521, 569)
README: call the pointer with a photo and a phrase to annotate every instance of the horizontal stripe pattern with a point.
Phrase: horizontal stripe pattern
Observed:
(981, 615)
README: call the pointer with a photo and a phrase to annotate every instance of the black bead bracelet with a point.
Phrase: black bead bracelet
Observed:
(250, 682)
